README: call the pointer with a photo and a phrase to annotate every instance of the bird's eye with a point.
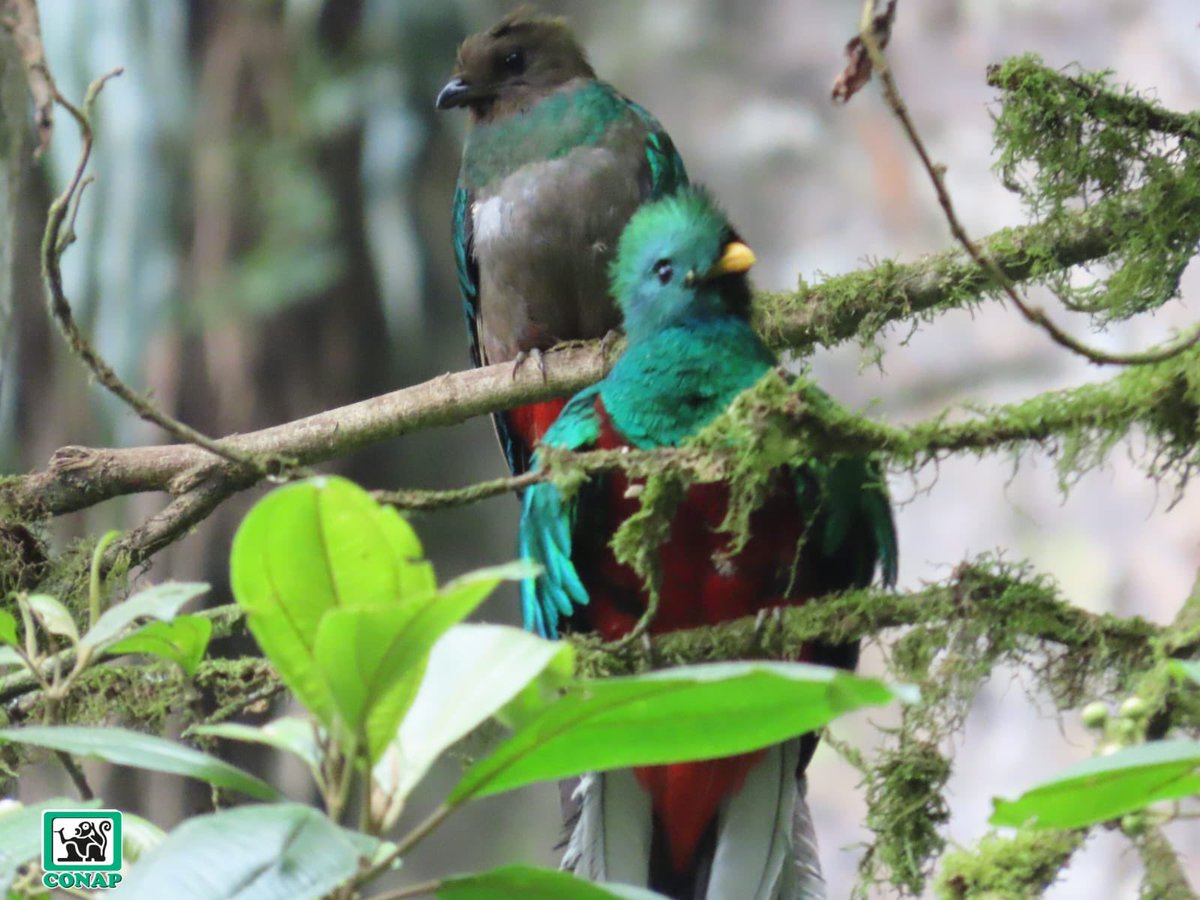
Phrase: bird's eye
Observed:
(514, 63)
(664, 270)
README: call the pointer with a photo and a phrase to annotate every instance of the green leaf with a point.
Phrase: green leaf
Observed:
(8, 628)
(21, 833)
(373, 659)
(181, 641)
(268, 852)
(531, 883)
(1185, 670)
(162, 602)
(1106, 787)
(547, 686)
(472, 672)
(290, 733)
(144, 751)
(55, 617)
(671, 716)
(312, 547)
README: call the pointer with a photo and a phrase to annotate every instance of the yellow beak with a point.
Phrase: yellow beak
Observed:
(736, 257)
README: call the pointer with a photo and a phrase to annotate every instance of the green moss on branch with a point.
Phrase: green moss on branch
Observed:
(1014, 868)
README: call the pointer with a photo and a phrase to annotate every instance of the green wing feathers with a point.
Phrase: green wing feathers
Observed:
(665, 170)
(547, 520)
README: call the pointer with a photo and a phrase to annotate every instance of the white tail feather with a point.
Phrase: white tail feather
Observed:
(611, 838)
(809, 883)
(761, 853)
(766, 846)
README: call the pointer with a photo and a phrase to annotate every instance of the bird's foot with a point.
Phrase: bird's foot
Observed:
(646, 646)
(535, 355)
(767, 625)
(609, 342)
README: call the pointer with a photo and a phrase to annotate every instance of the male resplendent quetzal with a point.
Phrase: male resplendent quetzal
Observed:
(554, 165)
(726, 829)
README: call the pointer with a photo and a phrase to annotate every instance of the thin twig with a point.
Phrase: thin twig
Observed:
(410, 840)
(422, 501)
(936, 172)
(55, 241)
(76, 774)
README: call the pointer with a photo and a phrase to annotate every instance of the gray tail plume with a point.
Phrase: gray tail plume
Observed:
(765, 849)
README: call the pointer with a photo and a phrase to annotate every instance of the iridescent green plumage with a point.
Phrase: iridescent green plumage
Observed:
(712, 828)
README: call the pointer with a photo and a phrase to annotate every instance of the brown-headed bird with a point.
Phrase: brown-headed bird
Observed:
(555, 163)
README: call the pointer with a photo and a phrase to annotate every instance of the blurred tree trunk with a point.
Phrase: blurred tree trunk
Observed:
(13, 126)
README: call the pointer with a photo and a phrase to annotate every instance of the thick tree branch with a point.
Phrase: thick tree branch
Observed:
(1088, 420)
(1026, 605)
(1029, 606)
(861, 304)
(80, 477)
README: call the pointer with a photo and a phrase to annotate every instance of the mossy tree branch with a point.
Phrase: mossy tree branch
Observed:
(992, 593)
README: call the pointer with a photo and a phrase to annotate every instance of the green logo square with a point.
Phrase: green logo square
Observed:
(81, 840)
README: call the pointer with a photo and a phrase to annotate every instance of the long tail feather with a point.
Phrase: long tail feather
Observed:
(766, 847)
(809, 883)
(612, 835)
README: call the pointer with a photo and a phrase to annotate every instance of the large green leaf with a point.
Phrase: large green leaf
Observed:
(373, 659)
(162, 602)
(181, 641)
(21, 834)
(372, 676)
(694, 712)
(472, 672)
(531, 883)
(144, 751)
(312, 547)
(270, 852)
(1106, 787)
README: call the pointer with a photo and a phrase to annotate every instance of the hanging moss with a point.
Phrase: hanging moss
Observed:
(1068, 140)
(906, 809)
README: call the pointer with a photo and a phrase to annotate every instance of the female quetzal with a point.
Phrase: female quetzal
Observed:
(726, 828)
(554, 165)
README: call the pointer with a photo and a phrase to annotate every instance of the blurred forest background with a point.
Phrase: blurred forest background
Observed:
(268, 237)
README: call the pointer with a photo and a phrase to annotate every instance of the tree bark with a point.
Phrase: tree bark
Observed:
(13, 127)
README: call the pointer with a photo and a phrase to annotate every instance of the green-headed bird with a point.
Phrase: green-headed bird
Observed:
(728, 828)
(555, 163)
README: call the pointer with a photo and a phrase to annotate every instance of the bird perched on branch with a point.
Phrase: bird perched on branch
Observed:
(555, 163)
(726, 828)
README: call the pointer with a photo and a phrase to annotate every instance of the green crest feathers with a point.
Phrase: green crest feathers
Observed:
(689, 214)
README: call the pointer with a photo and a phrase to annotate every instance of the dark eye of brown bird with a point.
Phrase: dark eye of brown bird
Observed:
(514, 62)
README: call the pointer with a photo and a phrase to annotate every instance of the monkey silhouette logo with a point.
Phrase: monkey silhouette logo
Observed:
(89, 843)
(81, 840)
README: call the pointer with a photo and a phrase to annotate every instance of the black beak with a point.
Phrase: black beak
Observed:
(456, 93)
